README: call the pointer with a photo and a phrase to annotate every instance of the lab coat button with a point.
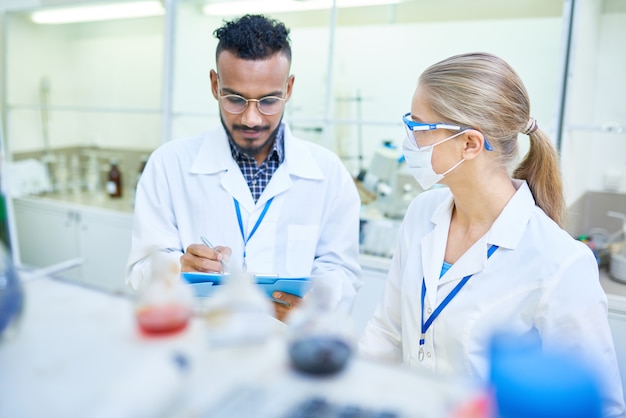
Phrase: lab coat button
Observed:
(430, 311)
(428, 354)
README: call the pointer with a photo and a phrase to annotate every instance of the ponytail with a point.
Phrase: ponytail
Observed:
(540, 169)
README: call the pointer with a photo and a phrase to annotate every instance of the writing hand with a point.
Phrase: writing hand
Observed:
(284, 303)
(200, 258)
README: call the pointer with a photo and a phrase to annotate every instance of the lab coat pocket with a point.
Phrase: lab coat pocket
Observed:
(302, 241)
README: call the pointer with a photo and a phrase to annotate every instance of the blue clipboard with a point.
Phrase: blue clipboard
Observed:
(204, 283)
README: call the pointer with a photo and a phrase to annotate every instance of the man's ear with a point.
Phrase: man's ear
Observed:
(473, 145)
(213, 76)
(290, 81)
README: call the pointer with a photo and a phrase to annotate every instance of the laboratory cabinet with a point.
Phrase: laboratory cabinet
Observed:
(51, 232)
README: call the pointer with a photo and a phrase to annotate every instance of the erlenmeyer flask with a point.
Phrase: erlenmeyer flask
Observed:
(164, 304)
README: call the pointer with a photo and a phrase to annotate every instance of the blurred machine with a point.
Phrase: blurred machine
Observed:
(386, 189)
(387, 185)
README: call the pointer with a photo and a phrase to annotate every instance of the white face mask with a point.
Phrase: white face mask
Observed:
(419, 162)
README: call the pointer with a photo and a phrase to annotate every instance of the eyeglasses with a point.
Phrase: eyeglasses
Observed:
(236, 104)
(268, 105)
(413, 127)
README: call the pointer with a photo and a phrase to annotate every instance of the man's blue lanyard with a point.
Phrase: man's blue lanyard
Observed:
(256, 225)
(442, 305)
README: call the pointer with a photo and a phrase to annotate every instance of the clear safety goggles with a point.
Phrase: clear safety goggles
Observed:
(413, 128)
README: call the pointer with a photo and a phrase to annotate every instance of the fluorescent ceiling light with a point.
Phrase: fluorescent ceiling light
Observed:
(226, 8)
(90, 13)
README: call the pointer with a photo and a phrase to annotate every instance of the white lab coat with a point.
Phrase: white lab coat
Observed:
(539, 278)
(311, 228)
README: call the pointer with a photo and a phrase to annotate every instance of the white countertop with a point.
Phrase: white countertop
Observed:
(78, 353)
(84, 199)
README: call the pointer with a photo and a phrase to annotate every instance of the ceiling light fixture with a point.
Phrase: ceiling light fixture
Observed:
(95, 12)
(229, 8)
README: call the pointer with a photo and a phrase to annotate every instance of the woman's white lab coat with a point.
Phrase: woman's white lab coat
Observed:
(310, 229)
(539, 278)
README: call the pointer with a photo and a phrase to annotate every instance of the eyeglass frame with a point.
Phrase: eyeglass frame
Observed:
(413, 126)
(258, 101)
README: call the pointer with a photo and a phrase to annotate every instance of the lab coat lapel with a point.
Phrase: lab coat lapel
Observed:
(433, 250)
(470, 263)
(214, 156)
(235, 184)
(298, 162)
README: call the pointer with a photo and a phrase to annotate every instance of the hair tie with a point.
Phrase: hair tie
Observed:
(531, 126)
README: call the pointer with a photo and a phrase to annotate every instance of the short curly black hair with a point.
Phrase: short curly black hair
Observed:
(253, 37)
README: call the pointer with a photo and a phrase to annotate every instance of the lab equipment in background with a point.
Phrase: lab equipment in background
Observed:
(62, 174)
(164, 304)
(114, 180)
(92, 174)
(26, 177)
(75, 174)
(237, 312)
(389, 186)
(321, 339)
(617, 250)
(47, 158)
(386, 190)
(378, 235)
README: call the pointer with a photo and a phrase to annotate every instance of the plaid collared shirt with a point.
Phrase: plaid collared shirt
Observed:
(259, 177)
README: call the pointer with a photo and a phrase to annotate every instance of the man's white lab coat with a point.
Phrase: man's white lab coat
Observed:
(539, 279)
(310, 229)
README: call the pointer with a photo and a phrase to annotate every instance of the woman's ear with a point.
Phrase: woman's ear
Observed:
(473, 145)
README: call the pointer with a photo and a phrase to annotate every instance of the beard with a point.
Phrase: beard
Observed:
(251, 150)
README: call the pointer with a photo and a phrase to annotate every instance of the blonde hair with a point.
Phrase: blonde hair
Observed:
(482, 91)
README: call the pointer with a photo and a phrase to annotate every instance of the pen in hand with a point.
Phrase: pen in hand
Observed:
(211, 246)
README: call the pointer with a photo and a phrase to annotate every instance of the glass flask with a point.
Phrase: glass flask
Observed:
(322, 338)
(238, 312)
(164, 304)
(11, 296)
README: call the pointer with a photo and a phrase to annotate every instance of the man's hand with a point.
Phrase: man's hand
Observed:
(200, 258)
(283, 303)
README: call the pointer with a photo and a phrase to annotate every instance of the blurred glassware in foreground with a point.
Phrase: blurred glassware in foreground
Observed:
(321, 339)
(164, 304)
(528, 382)
(238, 312)
(11, 296)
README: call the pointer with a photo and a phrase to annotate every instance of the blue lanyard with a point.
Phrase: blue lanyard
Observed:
(256, 225)
(442, 305)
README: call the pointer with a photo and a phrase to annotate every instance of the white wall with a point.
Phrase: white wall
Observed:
(118, 64)
(379, 62)
(105, 83)
(595, 100)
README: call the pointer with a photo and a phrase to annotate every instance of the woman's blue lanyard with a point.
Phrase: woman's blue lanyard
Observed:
(442, 305)
(256, 225)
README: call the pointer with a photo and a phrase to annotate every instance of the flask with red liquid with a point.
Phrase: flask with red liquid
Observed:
(164, 304)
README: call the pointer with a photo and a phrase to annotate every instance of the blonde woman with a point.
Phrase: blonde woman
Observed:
(486, 253)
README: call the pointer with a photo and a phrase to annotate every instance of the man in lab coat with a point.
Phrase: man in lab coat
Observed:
(270, 202)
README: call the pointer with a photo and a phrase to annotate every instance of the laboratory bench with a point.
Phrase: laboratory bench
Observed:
(78, 353)
(98, 200)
